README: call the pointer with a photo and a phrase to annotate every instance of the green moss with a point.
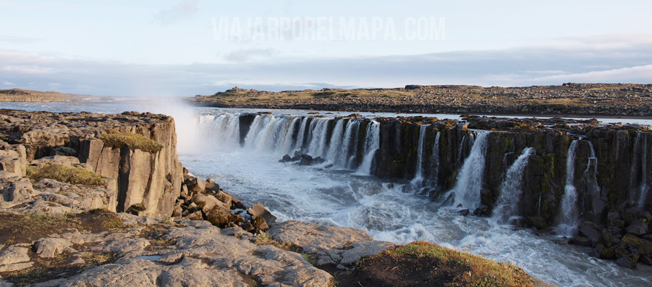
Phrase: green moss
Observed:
(469, 270)
(133, 141)
(65, 174)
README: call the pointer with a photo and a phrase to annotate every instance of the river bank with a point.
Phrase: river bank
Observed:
(568, 99)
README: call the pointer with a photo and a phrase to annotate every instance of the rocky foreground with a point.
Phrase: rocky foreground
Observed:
(63, 177)
(567, 99)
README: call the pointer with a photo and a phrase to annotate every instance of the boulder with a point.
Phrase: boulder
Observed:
(259, 211)
(208, 203)
(212, 186)
(17, 165)
(626, 262)
(18, 190)
(590, 232)
(14, 258)
(196, 185)
(637, 227)
(51, 247)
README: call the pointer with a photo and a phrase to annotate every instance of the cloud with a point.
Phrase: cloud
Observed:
(244, 55)
(626, 75)
(18, 39)
(511, 67)
(7, 83)
(183, 10)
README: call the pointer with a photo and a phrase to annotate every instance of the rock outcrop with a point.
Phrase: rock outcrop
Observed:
(140, 176)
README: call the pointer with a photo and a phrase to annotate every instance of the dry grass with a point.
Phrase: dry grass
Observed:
(133, 141)
(25, 228)
(304, 96)
(65, 174)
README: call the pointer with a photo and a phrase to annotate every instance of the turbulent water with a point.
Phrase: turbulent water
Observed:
(346, 195)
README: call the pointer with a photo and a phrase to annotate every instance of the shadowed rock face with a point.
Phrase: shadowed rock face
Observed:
(150, 179)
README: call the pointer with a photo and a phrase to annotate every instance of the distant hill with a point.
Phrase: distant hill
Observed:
(18, 95)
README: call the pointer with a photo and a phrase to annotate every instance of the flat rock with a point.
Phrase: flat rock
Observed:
(14, 258)
(51, 247)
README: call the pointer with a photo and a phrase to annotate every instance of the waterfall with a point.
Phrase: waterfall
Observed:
(418, 177)
(288, 142)
(435, 160)
(371, 145)
(469, 180)
(511, 190)
(347, 156)
(337, 142)
(225, 129)
(298, 145)
(569, 216)
(318, 139)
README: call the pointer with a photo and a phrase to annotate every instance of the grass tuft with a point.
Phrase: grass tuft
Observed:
(133, 141)
(462, 269)
(65, 174)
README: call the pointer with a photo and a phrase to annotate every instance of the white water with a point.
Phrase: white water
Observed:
(511, 189)
(569, 217)
(384, 210)
(469, 181)
(435, 160)
(371, 146)
(387, 212)
(418, 177)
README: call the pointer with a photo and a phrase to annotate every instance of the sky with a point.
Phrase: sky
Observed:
(191, 47)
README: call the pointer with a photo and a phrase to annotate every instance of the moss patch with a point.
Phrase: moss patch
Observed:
(425, 264)
(65, 174)
(133, 141)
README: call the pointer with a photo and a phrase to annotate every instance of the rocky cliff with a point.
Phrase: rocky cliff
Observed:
(135, 152)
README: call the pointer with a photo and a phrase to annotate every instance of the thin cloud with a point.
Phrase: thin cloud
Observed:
(244, 55)
(18, 39)
(183, 10)
(8, 84)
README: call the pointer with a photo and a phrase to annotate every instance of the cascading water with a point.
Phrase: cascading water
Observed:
(569, 216)
(591, 174)
(337, 142)
(470, 179)
(350, 143)
(318, 138)
(371, 146)
(418, 177)
(435, 160)
(511, 190)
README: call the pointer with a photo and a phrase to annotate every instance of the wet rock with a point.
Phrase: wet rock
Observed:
(626, 262)
(637, 227)
(482, 211)
(605, 252)
(537, 222)
(464, 212)
(286, 158)
(212, 186)
(590, 232)
(642, 245)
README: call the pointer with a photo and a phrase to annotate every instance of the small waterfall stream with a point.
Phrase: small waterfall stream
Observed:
(569, 216)
(511, 190)
(371, 146)
(435, 160)
(469, 181)
(418, 177)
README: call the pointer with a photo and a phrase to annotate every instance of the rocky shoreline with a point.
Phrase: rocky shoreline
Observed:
(567, 99)
(19, 95)
(64, 176)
